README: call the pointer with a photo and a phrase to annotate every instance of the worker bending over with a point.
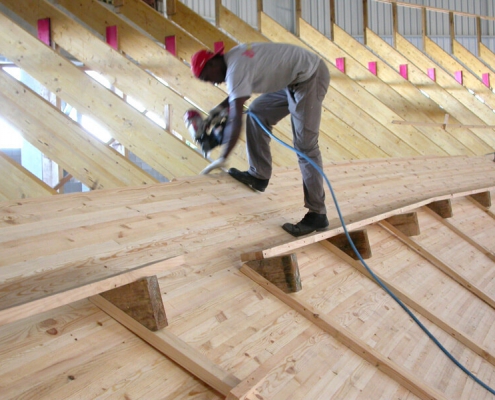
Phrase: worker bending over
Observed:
(293, 81)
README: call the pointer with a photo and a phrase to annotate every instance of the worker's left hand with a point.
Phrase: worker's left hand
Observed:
(219, 163)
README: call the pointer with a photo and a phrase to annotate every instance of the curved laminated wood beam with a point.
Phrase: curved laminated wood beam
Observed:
(19, 183)
(160, 150)
(434, 187)
(62, 140)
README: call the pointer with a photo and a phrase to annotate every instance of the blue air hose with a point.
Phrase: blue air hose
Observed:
(375, 277)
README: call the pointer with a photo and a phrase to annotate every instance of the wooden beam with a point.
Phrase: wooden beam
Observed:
(443, 208)
(406, 223)
(64, 141)
(282, 271)
(360, 240)
(161, 151)
(333, 327)
(446, 269)
(140, 300)
(457, 231)
(413, 304)
(78, 291)
(160, 63)
(19, 183)
(175, 349)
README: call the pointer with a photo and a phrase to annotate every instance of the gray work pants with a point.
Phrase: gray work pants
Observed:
(303, 102)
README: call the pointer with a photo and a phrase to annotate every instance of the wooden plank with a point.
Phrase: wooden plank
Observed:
(238, 28)
(467, 238)
(159, 27)
(174, 348)
(282, 271)
(78, 292)
(329, 325)
(406, 223)
(129, 126)
(19, 183)
(64, 141)
(140, 300)
(465, 57)
(439, 264)
(466, 340)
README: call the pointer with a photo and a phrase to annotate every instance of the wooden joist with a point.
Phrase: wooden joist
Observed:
(64, 141)
(331, 326)
(19, 183)
(404, 100)
(174, 348)
(444, 91)
(135, 131)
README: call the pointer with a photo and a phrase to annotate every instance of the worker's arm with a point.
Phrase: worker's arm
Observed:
(233, 128)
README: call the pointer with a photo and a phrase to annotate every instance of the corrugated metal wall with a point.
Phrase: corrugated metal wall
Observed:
(349, 16)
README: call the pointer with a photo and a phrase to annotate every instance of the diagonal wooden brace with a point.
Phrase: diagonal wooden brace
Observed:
(140, 300)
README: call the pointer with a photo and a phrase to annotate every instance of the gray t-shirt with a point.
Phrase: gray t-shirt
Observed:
(266, 68)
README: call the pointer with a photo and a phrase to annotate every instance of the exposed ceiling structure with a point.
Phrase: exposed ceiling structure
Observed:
(243, 310)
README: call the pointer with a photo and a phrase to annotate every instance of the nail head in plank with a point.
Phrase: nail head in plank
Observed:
(282, 271)
(142, 301)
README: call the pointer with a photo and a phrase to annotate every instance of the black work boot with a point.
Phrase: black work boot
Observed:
(248, 179)
(310, 223)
